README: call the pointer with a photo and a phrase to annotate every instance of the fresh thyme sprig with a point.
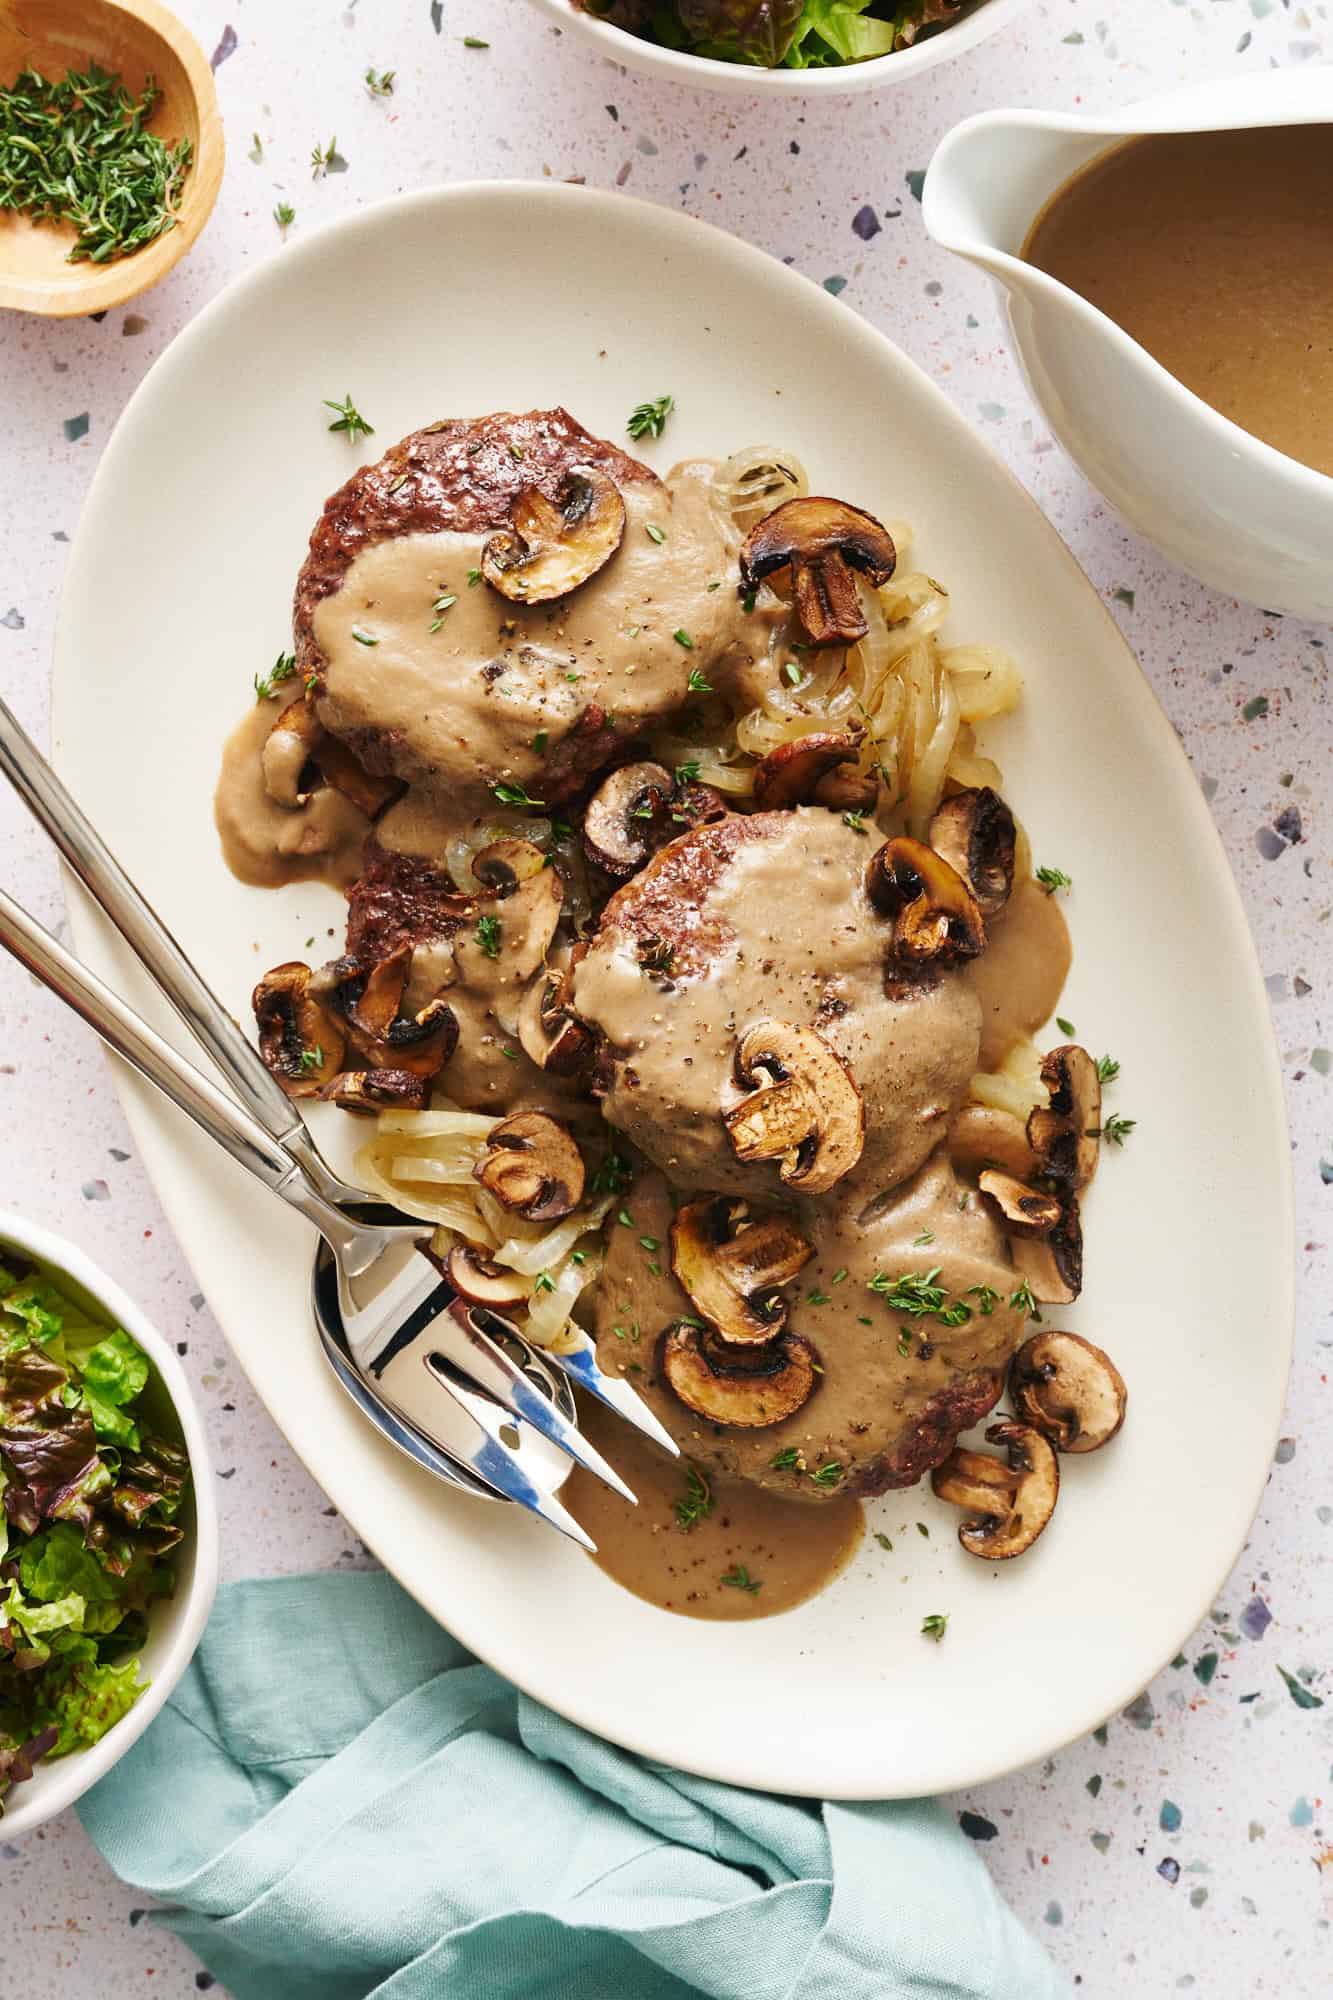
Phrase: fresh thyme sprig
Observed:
(1052, 879)
(515, 795)
(347, 417)
(78, 152)
(696, 1503)
(612, 1175)
(326, 160)
(282, 670)
(649, 419)
(917, 1294)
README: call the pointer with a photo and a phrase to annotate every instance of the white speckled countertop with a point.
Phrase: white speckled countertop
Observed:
(1188, 1846)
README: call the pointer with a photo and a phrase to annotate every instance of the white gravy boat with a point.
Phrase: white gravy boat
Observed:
(1225, 506)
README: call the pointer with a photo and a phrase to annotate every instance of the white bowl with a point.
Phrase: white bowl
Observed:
(980, 19)
(177, 1623)
(1220, 502)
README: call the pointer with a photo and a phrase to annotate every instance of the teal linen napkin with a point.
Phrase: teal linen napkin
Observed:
(339, 1802)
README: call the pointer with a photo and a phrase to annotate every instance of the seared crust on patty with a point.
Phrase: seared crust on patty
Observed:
(669, 898)
(400, 899)
(460, 475)
(928, 1441)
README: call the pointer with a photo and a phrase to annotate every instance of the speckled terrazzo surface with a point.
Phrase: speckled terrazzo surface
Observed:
(1188, 1846)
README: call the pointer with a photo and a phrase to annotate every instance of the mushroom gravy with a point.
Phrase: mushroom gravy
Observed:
(768, 916)
(484, 690)
(890, 1378)
(777, 1555)
(1214, 250)
(1020, 976)
(267, 844)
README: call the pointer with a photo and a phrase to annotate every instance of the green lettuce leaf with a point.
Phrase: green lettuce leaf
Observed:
(799, 34)
(831, 32)
(34, 1305)
(57, 1562)
(82, 1699)
(36, 1619)
(116, 1370)
(112, 1425)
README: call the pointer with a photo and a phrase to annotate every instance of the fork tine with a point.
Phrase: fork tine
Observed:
(428, 1402)
(497, 1465)
(479, 1355)
(581, 1366)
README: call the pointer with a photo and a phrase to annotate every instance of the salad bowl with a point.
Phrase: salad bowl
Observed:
(976, 20)
(176, 1624)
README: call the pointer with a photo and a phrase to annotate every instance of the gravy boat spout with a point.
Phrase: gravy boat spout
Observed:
(1224, 505)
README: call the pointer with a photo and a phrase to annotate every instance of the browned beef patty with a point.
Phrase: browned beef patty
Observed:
(754, 917)
(460, 475)
(400, 899)
(435, 678)
(896, 1390)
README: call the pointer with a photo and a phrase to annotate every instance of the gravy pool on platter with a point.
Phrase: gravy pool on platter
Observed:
(693, 964)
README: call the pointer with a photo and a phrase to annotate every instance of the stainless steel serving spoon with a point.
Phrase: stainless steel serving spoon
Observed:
(445, 1381)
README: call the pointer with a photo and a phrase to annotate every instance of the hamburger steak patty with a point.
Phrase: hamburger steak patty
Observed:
(753, 917)
(883, 1415)
(462, 474)
(432, 676)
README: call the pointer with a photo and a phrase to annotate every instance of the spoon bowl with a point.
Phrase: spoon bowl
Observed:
(134, 39)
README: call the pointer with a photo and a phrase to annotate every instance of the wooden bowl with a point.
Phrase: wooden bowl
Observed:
(135, 39)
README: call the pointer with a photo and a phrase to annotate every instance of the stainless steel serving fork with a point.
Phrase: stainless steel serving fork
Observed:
(454, 1386)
